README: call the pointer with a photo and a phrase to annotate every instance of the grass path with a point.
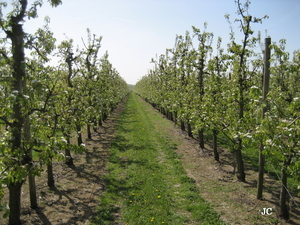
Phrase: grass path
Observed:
(146, 183)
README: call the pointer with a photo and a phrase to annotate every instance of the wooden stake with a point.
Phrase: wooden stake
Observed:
(266, 80)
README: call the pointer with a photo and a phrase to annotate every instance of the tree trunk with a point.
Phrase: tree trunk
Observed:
(31, 177)
(215, 145)
(32, 190)
(100, 122)
(16, 35)
(284, 212)
(89, 133)
(104, 116)
(95, 126)
(163, 111)
(182, 127)
(175, 117)
(15, 203)
(51, 182)
(189, 130)
(241, 101)
(240, 173)
(79, 136)
(69, 159)
(201, 138)
(170, 116)
(261, 168)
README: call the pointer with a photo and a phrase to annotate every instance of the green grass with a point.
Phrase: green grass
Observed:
(146, 183)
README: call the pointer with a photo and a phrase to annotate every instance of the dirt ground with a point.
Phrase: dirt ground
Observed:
(74, 200)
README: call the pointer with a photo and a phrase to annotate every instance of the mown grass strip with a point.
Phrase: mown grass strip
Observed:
(146, 183)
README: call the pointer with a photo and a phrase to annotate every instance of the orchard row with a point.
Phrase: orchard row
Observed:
(210, 90)
(44, 104)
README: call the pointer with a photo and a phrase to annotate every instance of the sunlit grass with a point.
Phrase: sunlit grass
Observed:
(146, 183)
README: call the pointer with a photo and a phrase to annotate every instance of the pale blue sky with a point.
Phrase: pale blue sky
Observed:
(134, 31)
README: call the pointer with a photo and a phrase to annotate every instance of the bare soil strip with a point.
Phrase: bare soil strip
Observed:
(74, 199)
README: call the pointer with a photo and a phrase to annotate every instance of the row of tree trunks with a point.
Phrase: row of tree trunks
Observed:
(184, 125)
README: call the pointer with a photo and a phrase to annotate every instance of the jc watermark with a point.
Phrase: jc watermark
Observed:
(266, 211)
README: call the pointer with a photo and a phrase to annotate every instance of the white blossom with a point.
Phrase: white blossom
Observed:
(64, 140)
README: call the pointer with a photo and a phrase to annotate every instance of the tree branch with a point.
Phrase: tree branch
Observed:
(21, 15)
(3, 53)
(5, 120)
